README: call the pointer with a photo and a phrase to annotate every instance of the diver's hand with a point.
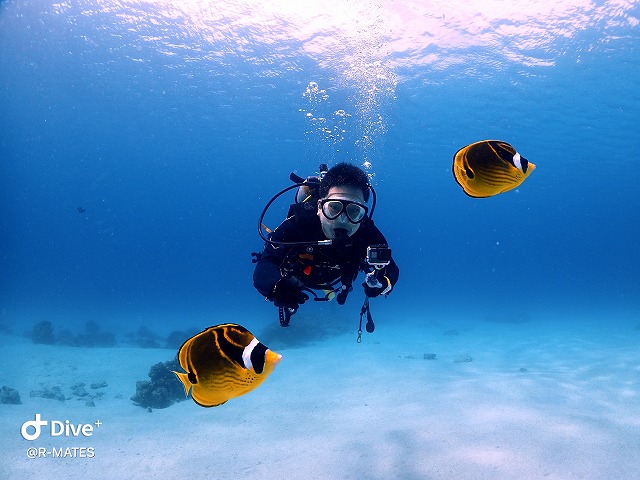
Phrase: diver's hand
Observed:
(288, 293)
(383, 287)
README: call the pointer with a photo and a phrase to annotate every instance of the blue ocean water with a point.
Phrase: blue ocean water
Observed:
(140, 140)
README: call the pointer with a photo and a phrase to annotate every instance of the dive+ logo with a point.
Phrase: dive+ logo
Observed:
(31, 429)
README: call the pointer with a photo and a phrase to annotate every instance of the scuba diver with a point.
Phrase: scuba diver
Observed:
(327, 238)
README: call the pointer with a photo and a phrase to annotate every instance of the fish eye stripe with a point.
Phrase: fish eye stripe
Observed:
(258, 357)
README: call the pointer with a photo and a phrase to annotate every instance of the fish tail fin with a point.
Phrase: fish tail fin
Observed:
(184, 378)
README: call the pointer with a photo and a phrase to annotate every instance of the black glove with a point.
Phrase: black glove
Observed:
(374, 291)
(288, 293)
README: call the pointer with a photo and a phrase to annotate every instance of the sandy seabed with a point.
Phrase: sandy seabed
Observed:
(498, 401)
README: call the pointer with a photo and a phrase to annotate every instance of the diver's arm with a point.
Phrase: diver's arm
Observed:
(267, 271)
(265, 275)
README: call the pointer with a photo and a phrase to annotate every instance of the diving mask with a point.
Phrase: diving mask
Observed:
(332, 208)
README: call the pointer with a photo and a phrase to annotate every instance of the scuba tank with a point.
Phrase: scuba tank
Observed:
(307, 194)
(308, 190)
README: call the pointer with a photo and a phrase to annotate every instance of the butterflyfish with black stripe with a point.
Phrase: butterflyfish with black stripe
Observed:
(490, 167)
(223, 362)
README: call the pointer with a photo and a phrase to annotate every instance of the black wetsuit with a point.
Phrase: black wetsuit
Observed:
(319, 267)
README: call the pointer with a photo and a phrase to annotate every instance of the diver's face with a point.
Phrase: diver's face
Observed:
(340, 226)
